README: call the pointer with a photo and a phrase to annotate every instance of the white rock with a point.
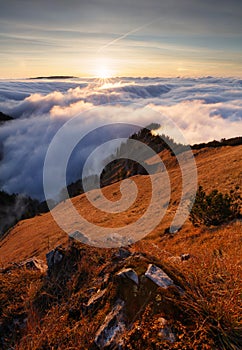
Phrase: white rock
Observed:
(158, 276)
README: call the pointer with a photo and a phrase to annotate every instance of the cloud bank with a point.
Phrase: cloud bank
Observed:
(204, 109)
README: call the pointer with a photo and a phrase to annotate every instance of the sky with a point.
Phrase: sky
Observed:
(120, 38)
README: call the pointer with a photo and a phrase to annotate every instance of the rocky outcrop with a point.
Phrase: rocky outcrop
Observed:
(126, 286)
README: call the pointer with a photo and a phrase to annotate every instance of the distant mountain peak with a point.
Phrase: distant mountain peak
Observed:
(55, 77)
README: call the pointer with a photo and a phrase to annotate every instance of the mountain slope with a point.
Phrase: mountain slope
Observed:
(217, 168)
(166, 291)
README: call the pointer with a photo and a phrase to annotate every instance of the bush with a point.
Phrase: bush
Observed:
(215, 208)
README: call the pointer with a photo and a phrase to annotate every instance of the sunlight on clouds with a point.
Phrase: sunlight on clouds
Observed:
(114, 84)
(204, 109)
(74, 109)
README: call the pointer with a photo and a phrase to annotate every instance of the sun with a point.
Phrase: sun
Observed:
(104, 72)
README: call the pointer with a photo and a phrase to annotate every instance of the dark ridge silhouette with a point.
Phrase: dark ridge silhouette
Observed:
(119, 169)
(55, 77)
(235, 141)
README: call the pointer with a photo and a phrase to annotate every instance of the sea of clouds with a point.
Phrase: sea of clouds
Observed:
(203, 109)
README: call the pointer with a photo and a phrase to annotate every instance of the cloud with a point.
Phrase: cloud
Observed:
(141, 91)
(203, 122)
(204, 109)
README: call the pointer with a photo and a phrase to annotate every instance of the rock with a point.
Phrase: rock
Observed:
(158, 276)
(34, 264)
(122, 253)
(130, 274)
(53, 257)
(96, 298)
(185, 257)
(166, 332)
(114, 325)
(77, 235)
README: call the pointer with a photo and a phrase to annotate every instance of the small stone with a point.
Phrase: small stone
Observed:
(166, 332)
(185, 257)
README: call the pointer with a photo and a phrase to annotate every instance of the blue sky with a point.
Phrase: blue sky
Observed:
(121, 38)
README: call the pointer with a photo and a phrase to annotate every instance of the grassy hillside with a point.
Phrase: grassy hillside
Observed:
(218, 168)
(204, 312)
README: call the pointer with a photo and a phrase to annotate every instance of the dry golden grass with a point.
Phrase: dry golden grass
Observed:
(217, 168)
(207, 316)
(212, 279)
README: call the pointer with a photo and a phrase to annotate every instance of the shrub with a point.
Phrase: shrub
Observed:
(215, 208)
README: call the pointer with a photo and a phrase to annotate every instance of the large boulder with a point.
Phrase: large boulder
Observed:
(158, 276)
